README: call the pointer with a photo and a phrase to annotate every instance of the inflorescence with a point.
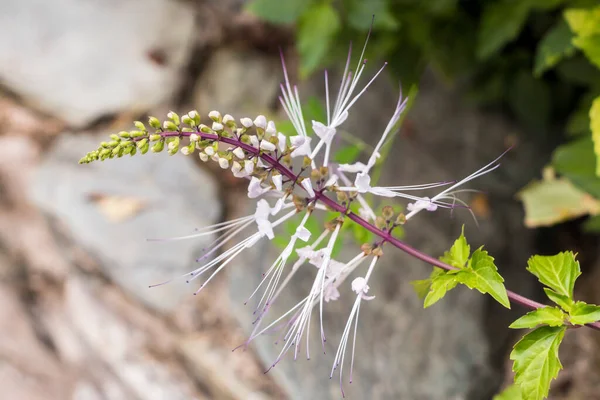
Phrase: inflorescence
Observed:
(291, 175)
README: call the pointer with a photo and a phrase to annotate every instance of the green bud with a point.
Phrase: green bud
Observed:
(401, 219)
(104, 153)
(195, 117)
(173, 117)
(145, 148)
(170, 126)
(140, 125)
(187, 120)
(137, 134)
(142, 143)
(124, 134)
(189, 130)
(115, 137)
(158, 146)
(306, 162)
(112, 143)
(342, 197)
(154, 122)
(116, 150)
(154, 138)
(133, 151)
(104, 144)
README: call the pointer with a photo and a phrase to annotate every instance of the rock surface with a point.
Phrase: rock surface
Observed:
(111, 208)
(80, 60)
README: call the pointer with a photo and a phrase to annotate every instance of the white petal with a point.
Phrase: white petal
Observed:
(324, 132)
(362, 182)
(227, 118)
(307, 184)
(340, 119)
(271, 130)
(260, 163)
(239, 153)
(249, 167)
(277, 206)
(266, 145)
(217, 126)
(254, 141)
(255, 188)
(359, 285)
(278, 181)
(352, 168)
(282, 143)
(224, 163)
(302, 233)
(246, 122)
(260, 122)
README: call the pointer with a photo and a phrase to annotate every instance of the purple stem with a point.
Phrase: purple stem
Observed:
(386, 236)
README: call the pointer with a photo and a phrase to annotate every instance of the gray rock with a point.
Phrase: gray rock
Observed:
(162, 197)
(402, 350)
(79, 60)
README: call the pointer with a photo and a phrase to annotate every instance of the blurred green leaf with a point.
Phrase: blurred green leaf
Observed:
(592, 225)
(317, 27)
(529, 99)
(551, 316)
(501, 23)
(590, 45)
(595, 128)
(584, 22)
(347, 154)
(278, 11)
(577, 162)
(553, 201)
(536, 361)
(579, 120)
(360, 15)
(579, 71)
(553, 47)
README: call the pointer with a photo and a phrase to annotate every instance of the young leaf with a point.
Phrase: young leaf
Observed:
(595, 125)
(421, 287)
(558, 272)
(553, 47)
(513, 392)
(536, 361)
(583, 313)
(577, 162)
(590, 46)
(483, 275)
(563, 301)
(441, 283)
(458, 255)
(584, 22)
(551, 316)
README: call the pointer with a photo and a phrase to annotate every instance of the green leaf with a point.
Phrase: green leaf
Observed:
(583, 313)
(500, 24)
(577, 162)
(441, 283)
(458, 255)
(513, 392)
(278, 11)
(552, 201)
(483, 275)
(551, 316)
(536, 361)
(360, 14)
(553, 47)
(318, 25)
(563, 301)
(595, 127)
(584, 22)
(558, 272)
(592, 225)
(347, 154)
(590, 46)
(421, 287)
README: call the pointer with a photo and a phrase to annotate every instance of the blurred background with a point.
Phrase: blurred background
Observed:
(78, 320)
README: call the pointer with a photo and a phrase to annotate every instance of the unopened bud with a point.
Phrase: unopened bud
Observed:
(215, 116)
(388, 212)
(173, 117)
(154, 122)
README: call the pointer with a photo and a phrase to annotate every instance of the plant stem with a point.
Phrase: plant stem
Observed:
(386, 236)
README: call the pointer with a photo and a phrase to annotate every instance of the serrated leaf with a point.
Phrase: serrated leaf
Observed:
(421, 287)
(551, 316)
(584, 22)
(595, 126)
(277, 11)
(318, 25)
(483, 275)
(501, 23)
(536, 361)
(583, 313)
(513, 392)
(552, 201)
(458, 255)
(441, 283)
(553, 47)
(563, 301)
(577, 162)
(558, 272)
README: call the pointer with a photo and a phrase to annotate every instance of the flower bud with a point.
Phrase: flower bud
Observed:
(388, 213)
(239, 153)
(170, 126)
(173, 117)
(140, 125)
(215, 116)
(266, 145)
(223, 163)
(260, 122)
(154, 122)
(195, 117)
(203, 156)
(246, 122)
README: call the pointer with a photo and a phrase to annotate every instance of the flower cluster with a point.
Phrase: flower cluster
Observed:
(292, 175)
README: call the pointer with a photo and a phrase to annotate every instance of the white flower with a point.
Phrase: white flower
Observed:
(254, 141)
(266, 145)
(215, 116)
(216, 126)
(325, 133)
(302, 233)
(424, 204)
(281, 141)
(331, 293)
(277, 181)
(271, 130)
(239, 153)
(246, 122)
(227, 118)
(255, 188)
(301, 145)
(223, 163)
(209, 151)
(194, 137)
(362, 182)
(261, 122)
(185, 151)
(261, 216)
(307, 184)
(203, 156)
